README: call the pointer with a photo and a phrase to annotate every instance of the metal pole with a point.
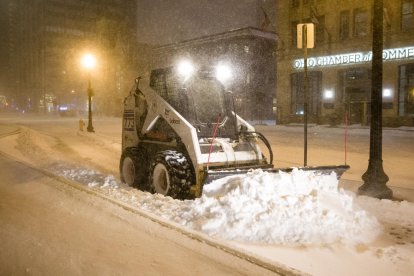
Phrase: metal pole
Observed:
(305, 96)
(90, 94)
(375, 178)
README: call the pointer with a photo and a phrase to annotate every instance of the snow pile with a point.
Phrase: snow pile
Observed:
(287, 208)
(91, 178)
(298, 208)
(394, 212)
(35, 145)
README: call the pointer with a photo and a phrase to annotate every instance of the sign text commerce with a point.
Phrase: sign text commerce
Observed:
(355, 58)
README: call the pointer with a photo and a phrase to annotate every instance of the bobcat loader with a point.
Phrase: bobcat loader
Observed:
(181, 131)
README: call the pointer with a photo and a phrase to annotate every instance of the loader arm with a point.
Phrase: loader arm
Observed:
(159, 108)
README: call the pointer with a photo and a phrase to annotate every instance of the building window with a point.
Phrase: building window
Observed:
(356, 74)
(406, 90)
(344, 25)
(360, 22)
(295, 3)
(355, 93)
(314, 92)
(320, 30)
(294, 33)
(407, 15)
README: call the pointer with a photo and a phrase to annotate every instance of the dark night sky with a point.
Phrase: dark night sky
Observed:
(166, 21)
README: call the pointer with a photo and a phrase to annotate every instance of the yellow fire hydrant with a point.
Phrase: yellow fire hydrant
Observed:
(81, 124)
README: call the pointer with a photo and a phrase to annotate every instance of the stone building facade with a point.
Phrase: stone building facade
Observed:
(45, 41)
(339, 66)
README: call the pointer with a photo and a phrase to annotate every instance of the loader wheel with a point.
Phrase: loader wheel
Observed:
(171, 175)
(134, 169)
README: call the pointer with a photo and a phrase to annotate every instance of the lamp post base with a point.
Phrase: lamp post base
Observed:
(374, 190)
(374, 182)
(90, 129)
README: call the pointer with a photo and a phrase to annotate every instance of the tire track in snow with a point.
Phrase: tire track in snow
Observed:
(14, 132)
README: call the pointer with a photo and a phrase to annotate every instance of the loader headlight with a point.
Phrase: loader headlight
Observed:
(185, 69)
(223, 73)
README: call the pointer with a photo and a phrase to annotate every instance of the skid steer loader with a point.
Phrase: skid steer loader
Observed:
(180, 131)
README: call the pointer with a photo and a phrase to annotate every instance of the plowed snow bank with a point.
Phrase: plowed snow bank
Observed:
(297, 208)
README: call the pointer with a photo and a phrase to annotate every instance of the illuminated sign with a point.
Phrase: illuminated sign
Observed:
(355, 58)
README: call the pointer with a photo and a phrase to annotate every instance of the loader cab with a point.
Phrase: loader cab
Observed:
(199, 98)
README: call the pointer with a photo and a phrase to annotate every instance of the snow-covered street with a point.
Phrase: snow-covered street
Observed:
(301, 220)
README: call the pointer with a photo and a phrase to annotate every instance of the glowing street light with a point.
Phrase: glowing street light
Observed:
(89, 62)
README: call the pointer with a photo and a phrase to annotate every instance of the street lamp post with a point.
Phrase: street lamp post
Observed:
(89, 62)
(375, 178)
(90, 94)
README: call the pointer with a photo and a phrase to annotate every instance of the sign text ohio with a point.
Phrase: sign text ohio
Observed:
(355, 58)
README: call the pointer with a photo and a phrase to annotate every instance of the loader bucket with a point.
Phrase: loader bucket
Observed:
(217, 174)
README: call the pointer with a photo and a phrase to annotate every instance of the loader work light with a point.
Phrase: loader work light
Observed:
(185, 69)
(223, 73)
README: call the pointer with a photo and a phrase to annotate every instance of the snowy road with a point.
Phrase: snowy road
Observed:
(49, 227)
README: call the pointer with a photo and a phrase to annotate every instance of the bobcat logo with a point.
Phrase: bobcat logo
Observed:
(175, 121)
